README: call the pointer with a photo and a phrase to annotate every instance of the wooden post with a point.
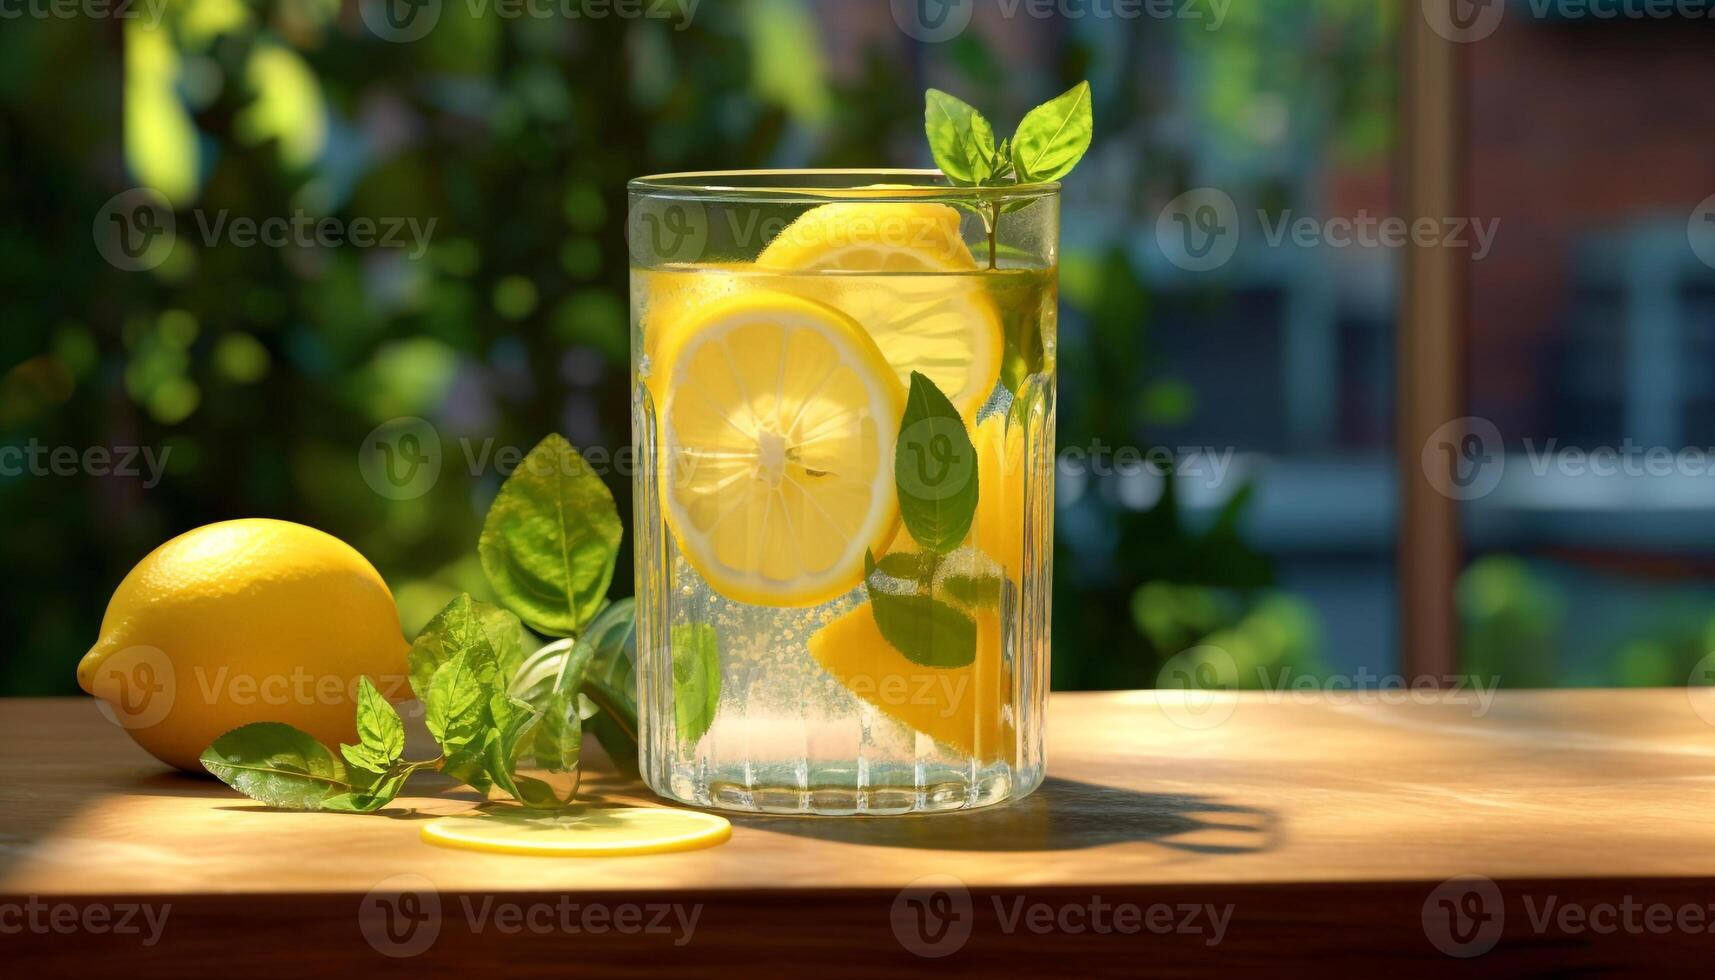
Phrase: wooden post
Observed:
(1432, 313)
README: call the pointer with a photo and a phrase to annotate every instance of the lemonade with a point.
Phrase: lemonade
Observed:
(844, 417)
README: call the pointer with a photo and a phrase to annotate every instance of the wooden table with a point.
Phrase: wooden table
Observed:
(1288, 833)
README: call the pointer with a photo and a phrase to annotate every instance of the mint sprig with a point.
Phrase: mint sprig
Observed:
(1048, 144)
(508, 725)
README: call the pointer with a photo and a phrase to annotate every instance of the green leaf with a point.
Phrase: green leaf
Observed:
(1054, 136)
(961, 140)
(926, 630)
(549, 541)
(972, 590)
(378, 793)
(909, 566)
(935, 469)
(465, 624)
(610, 681)
(381, 735)
(278, 765)
(696, 679)
(456, 709)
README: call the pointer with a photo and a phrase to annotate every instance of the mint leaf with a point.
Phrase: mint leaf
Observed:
(1054, 136)
(278, 765)
(935, 469)
(960, 139)
(610, 681)
(381, 735)
(549, 541)
(465, 624)
(696, 679)
(926, 630)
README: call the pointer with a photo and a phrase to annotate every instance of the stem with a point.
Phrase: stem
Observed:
(993, 222)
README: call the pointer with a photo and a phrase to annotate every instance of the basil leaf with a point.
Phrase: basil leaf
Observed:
(381, 735)
(377, 794)
(926, 630)
(610, 681)
(278, 765)
(1054, 136)
(972, 590)
(696, 679)
(960, 139)
(908, 566)
(935, 468)
(550, 539)
(465, 624)
(456, 709)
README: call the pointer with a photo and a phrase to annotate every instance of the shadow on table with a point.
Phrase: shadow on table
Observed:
(1062, 815)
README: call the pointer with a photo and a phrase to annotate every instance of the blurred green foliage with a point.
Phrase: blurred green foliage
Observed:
(258, 371)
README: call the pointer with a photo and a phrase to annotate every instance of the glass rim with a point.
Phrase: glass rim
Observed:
(827, 184)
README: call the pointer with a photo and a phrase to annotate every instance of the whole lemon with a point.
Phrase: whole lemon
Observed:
(244, 621)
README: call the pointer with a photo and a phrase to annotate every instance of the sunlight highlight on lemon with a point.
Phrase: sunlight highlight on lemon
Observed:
(777, 417)
(581, 832)
(944, 326)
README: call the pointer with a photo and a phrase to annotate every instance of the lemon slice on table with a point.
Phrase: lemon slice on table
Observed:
(929, 313)
(777, 422)
(582, 832)
(960, 707)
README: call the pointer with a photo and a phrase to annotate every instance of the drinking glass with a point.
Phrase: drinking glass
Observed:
(843, 412)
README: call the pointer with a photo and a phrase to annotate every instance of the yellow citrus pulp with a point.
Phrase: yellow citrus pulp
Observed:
(895, 268)
(777, 421)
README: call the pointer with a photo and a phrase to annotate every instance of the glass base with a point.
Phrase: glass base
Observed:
(843, 791)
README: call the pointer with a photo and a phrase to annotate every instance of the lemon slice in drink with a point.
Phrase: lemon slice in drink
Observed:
(582, 832)
(776, 427)
(960, 707)
(925, 307)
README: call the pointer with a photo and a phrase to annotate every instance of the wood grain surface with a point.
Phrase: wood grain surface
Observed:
(1298, 833)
